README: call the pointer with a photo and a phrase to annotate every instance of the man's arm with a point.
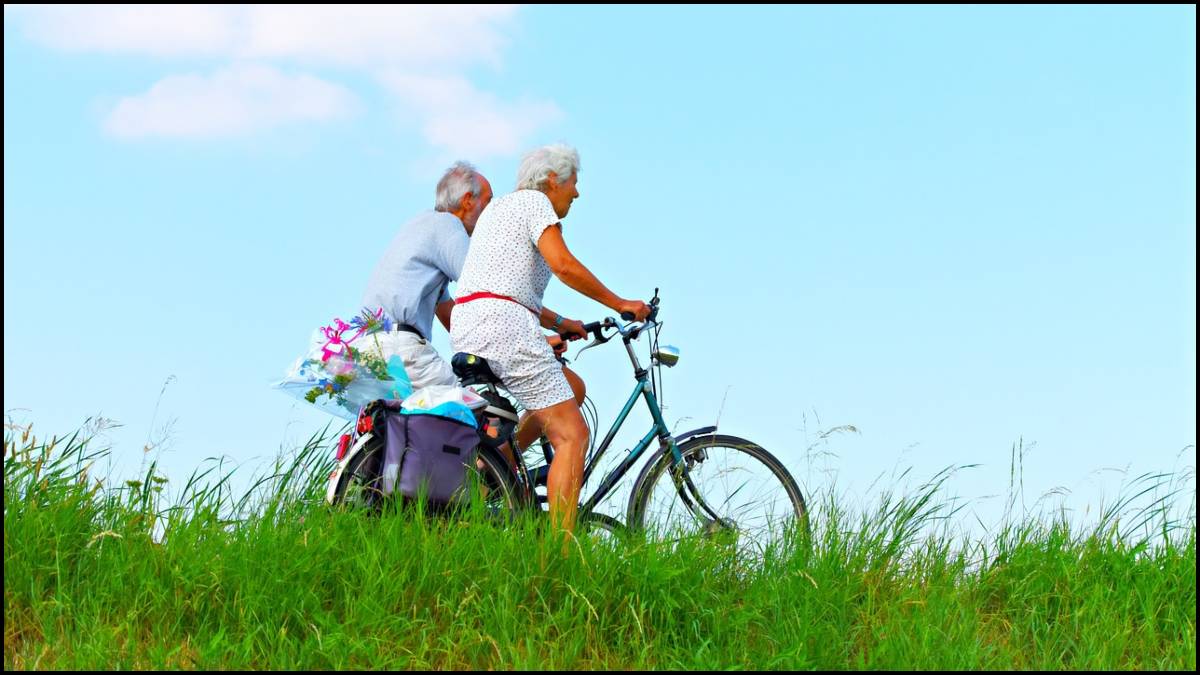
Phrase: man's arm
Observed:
(443, 313)
(452, 253)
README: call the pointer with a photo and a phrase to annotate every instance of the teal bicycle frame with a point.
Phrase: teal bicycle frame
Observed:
(645, 390)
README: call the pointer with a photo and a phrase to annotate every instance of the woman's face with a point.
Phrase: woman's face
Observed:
(561, 194)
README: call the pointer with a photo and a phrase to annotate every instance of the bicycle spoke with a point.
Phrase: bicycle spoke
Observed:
(756, 503)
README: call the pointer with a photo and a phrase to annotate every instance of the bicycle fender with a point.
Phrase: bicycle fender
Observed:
(702, 431)
(334, 477)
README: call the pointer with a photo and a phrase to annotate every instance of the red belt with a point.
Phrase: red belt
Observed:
(484, 294)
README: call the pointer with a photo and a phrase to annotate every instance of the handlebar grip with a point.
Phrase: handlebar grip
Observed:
(593, 328)
(653, 304)
(628, 316)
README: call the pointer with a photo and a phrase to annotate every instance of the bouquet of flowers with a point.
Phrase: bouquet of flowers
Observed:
(339, 377)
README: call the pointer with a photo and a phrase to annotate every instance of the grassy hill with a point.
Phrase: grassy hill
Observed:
(116, 578)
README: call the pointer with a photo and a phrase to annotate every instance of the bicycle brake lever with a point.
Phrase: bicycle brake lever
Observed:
(593, 343)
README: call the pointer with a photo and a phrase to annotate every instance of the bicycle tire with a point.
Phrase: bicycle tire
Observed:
(358, 486)
(360, 482)
(498, 477)
(602, 522)
(652, 495)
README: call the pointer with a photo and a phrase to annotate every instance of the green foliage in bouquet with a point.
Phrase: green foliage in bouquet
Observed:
(367, 323)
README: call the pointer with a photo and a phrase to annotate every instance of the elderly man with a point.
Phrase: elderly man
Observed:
(499, 314)
(410, 281)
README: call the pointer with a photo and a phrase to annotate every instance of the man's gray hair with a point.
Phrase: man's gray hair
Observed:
(537, 164)
(460, 179)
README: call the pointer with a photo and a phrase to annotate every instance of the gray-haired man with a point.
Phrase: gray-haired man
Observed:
(410, 281)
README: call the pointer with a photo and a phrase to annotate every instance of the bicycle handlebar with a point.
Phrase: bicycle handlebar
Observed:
(629, 331)
(596, 328)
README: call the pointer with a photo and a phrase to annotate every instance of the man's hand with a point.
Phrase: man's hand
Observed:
(572, 330)
(557, 344)
(637, 308)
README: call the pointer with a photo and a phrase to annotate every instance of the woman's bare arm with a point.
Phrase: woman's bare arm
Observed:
(572, 272)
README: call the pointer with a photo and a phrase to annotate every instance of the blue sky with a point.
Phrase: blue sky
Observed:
(954, 228)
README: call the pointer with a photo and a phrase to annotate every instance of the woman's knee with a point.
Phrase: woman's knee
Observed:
(563, 424)
(569, 434)
(578, 388)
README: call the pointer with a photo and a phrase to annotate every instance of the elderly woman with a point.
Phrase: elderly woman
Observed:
(498, 313)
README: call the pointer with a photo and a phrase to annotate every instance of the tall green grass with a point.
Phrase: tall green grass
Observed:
(150, 575)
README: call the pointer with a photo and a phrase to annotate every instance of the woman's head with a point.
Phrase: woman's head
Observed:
(551, 169)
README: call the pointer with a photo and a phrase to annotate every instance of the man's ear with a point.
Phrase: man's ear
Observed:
(553, 178)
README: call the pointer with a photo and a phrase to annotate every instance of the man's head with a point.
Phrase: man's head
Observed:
(463, 192)
(551, 169)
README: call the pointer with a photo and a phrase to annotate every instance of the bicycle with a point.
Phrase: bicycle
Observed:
(699, 466)
(695, 498)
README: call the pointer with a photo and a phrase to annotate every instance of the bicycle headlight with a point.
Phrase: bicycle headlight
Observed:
(667, 355)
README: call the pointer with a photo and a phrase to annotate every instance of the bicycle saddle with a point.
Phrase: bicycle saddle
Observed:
(472, 369)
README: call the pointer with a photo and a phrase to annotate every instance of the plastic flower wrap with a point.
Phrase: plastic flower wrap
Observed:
(339, 374)
(456, 403)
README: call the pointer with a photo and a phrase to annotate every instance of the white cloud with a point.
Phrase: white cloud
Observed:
(347, 35)
(233, 101)
(420, 51)
(172, 30)
(378, 35)
(466, 121)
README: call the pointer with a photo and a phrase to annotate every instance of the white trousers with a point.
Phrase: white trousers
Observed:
(421, 361)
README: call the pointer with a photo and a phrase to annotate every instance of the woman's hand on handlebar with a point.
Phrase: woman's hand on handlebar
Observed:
(570, 329)
(557, 344)
(633, 310)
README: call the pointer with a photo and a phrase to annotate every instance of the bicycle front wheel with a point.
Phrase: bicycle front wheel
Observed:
(748, 493)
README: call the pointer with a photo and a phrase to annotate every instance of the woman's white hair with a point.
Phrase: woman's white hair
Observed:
(536, 166)
(460, 179)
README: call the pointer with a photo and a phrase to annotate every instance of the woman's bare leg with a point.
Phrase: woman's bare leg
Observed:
(563, 425)
(529, 429)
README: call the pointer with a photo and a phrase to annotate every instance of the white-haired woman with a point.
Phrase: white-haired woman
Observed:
(498, 312)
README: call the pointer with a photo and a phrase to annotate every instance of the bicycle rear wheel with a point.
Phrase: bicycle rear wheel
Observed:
(753, 496)
(489, 484)
(359, 485)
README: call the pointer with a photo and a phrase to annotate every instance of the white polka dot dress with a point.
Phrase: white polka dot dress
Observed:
(503, 259)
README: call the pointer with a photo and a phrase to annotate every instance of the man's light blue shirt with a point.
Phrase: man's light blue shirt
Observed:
(416, 269)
